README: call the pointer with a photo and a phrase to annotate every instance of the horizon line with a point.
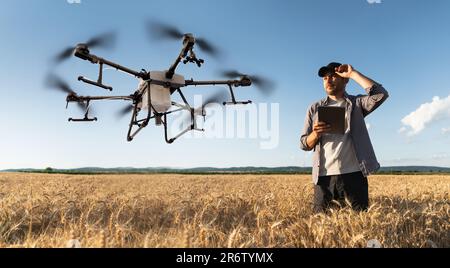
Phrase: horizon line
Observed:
(197, 167)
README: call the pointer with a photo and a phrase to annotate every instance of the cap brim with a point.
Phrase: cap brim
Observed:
(325, 70)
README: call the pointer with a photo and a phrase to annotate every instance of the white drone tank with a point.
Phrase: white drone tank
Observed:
(160, 95)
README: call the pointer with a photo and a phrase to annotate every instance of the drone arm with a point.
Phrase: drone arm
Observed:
(171, 71)
(144, 75)
(84, 54)
(186, 48)
(211, 83)
(244, 82)
(96, 98)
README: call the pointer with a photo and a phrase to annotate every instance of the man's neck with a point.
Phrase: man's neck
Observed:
(337, 97)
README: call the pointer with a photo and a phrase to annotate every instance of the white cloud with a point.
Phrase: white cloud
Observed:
(446, 131)
(429, 112)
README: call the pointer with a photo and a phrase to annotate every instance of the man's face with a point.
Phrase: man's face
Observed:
(334, 84)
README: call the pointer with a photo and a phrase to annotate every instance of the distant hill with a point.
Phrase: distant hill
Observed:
(211, 170)
(415, 169)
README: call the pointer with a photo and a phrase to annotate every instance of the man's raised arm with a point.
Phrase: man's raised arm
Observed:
(376, 94)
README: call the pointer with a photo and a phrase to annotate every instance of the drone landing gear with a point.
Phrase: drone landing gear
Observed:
(238, 102)
(192, 127)
(140, 123)
(172, 140)
(233, 99)
(83, 120)
(99, 82)
(86, 116)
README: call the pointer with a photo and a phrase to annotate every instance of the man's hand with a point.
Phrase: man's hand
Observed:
(320, 128)
(345, 70)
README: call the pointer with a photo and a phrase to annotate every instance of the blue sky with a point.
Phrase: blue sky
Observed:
(402, 44)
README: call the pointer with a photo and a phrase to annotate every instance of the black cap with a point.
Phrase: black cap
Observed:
(328, 69)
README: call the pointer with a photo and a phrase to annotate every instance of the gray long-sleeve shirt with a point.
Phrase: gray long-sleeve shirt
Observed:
(357, 109)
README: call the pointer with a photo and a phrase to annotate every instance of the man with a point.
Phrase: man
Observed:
(342, 162)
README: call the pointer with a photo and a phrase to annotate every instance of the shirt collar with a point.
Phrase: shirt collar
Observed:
(325, 100)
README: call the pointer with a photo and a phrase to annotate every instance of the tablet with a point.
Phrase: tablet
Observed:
(334, 116)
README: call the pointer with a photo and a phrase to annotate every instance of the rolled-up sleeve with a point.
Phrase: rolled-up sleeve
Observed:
(376, 95)
(307, 129)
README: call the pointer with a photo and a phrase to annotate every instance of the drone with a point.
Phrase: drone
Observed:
(153, 99)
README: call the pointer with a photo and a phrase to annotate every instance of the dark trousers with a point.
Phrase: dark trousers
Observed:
(351, 186)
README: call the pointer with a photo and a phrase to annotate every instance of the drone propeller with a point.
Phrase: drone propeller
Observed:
(56, 82)
(265, 85)
(160, 30)
(218, 97)
(164, 31)
(101, 41)
(207, 47)
(124, 111)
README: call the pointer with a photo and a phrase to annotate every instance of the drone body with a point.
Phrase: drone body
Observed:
(160, 95)
(154, 95)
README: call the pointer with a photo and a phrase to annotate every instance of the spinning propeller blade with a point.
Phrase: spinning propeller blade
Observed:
(207, 47)
(124, 111)
(56, 82)
(53, 81)
(159, 31)
(218, 97)
(265, 85)
(106, 41)
(163, 31)
(65, 54)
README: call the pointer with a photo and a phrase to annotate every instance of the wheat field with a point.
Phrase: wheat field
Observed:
(169, 210)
